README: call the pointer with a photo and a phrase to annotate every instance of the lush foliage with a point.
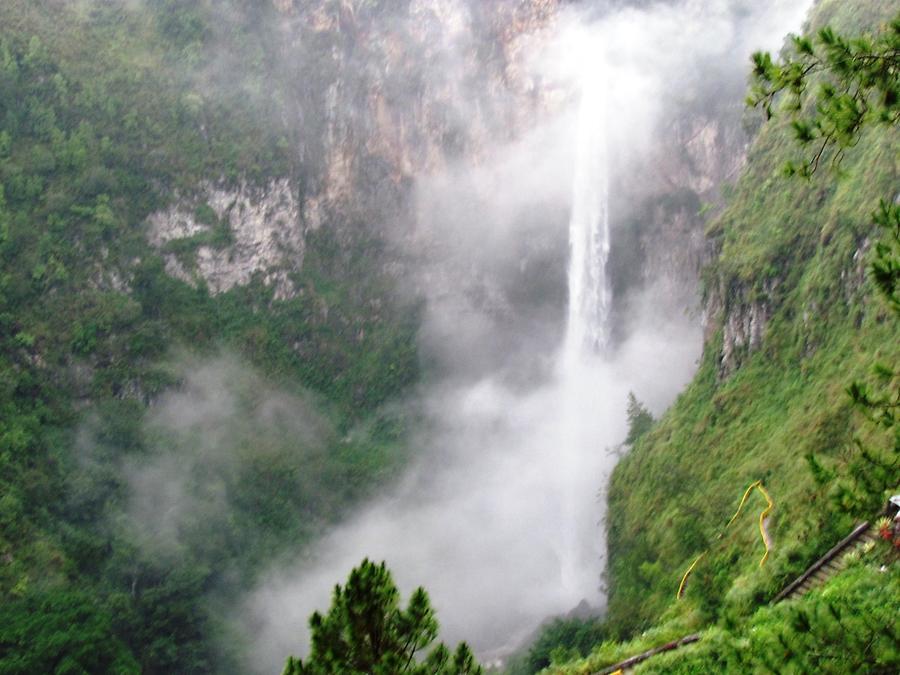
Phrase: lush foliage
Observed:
(856, 84)
(809, 257)
(639, 419)
(796, 250)
(846, 625)
(61, 632)
(367, 632)
(108, 110)
(559, 641)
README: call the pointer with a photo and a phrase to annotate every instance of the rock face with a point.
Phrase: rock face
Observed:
(710, 149)
(227, 236)
(380, 93)
(666, 202)
(406, 87)
(744, 329)
(706, 149)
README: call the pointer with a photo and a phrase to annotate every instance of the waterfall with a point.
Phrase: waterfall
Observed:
(587, 332)
(589, 296)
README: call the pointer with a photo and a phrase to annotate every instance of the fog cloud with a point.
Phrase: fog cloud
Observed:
(481, 519)
(206, 439)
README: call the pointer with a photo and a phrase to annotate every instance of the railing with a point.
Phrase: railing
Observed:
(823, 567)
(819, 572)
(634, 660)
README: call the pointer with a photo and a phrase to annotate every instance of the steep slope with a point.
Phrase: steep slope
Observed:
(793, 320)
(180, 180)
(99, 127)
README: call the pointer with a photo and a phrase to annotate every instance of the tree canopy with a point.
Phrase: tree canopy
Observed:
(640, 420)
(856, 80)
(366, 631)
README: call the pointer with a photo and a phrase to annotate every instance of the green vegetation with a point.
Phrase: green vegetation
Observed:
(796, 252)
(855, 83)
(366, 631)
(559, 641)
(218, 235)
(63, 631)
(640, 421)
(809, 263)
(847, 624)
(107, 110)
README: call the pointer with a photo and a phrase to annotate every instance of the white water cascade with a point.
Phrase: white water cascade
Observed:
(589, 296)
(587, 332)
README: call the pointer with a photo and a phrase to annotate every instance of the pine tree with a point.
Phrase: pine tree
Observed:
(854, 83)
(639, 419)
(367, 632)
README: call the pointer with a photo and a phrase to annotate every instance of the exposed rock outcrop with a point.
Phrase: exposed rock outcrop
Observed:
(743, 314)
(248, 231)
(743, 333)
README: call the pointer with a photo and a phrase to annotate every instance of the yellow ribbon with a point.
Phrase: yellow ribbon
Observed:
(762, 517)
(767, 542)
(686, 575)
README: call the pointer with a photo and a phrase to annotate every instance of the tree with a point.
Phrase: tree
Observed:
(885, 268)
(367, 632)
(564, 639)
(60, 631)
(857, 85)
(639, 419)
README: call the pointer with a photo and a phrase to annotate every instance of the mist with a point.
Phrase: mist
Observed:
(478, 521)
(224, 430)
(515, 446)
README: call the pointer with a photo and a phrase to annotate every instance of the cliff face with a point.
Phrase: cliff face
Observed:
(705, 148)
(257, 231)
(743, 316)
(664, 205)
(378, 94)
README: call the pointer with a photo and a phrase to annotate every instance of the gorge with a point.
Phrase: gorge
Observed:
(287, 284)
(518, 435)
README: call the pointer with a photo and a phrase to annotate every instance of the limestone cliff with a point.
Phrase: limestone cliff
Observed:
(261, 235)
(379, 93)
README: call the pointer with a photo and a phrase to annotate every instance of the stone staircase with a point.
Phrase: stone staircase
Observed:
(829, 564)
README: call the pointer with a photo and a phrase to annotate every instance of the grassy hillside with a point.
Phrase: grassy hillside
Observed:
(793, 257)
(846, 625)
(107, 110)
(787, 400)
(799, 250)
